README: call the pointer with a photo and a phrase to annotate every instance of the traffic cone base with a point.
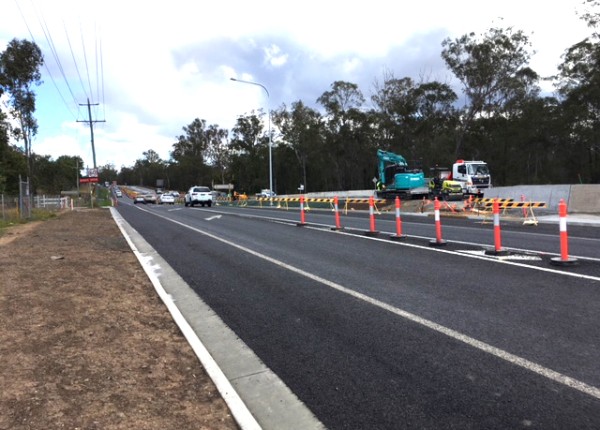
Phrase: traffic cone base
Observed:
(436, 242)
(496, 253)
(558, 261)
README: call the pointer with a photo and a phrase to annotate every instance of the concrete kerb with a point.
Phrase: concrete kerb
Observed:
(252, 391)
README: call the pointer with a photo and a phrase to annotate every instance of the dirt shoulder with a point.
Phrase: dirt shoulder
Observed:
(85, 341)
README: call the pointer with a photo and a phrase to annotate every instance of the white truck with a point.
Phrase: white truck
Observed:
(474, 176)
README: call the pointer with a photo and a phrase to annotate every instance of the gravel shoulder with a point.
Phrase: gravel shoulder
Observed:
(86, 342)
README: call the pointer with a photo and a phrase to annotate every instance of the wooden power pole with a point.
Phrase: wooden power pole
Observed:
(91, 122)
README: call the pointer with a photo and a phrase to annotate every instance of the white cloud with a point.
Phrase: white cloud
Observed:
(156, 66)
(274, 56)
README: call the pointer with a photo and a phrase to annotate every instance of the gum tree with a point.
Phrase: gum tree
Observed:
(19, 72)
(494, 73)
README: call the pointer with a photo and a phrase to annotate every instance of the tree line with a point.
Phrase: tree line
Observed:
(500, 116)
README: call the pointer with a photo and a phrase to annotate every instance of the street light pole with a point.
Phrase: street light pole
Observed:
(270, 146)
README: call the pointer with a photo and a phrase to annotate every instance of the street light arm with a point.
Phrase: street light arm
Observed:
(252, 83)
(270, 143)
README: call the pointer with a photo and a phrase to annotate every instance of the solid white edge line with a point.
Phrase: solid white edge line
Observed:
(237, 406)
(475, 343)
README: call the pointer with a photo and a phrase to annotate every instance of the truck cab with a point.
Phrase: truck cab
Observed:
(474, 176)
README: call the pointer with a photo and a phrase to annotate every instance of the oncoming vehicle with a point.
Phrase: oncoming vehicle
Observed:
(139, 199)
(149, 198)
(166, 198)
(198, 195)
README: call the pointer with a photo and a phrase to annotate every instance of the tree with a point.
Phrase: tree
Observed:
(579, 86)
(12, 164)
(415, 119)
(346, 146)
(302, 131)
(106, 173)
(249, 146)
(19, 70)
(494, 73)
(217, 151)
(193, 151)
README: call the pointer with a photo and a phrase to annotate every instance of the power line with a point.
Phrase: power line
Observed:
(87, 69)
(75, 62)
(54, 54)
(102, 81)
(45, 64)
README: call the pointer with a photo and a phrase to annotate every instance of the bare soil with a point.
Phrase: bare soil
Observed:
(85, 342)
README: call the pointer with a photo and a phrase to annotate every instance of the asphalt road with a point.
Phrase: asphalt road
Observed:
(380, 334)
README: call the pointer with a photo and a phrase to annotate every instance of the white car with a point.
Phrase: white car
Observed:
(118, 193)
(198, 195)
(266, 193)
(166, 198)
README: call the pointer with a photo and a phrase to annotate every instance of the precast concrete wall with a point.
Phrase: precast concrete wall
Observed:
(585, 198)
(550, 194)
(580, 198)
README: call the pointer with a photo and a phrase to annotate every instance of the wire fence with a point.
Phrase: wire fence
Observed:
(14, 208)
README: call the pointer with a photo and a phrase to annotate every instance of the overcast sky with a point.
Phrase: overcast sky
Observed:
(153, 67)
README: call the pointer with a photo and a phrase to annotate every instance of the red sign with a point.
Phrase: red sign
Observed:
(86, 180)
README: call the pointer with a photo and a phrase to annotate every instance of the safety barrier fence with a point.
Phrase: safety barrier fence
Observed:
(287, 202)
(485, 207)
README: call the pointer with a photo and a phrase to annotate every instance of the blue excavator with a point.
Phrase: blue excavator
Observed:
(396, 179)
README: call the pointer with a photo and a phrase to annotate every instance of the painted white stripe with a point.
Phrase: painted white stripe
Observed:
(482, 346)
(562, 222)
(521, 257)
(488, 258)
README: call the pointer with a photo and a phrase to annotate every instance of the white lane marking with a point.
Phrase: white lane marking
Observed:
(501, 257)
(210, 218)
(488, 258)
(383, 221)
(482, 346)
(428, 248)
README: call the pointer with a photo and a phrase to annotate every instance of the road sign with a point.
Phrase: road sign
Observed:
(223, 187)
(87, 180)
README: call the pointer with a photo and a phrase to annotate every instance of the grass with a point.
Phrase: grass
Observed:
(11, 217)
